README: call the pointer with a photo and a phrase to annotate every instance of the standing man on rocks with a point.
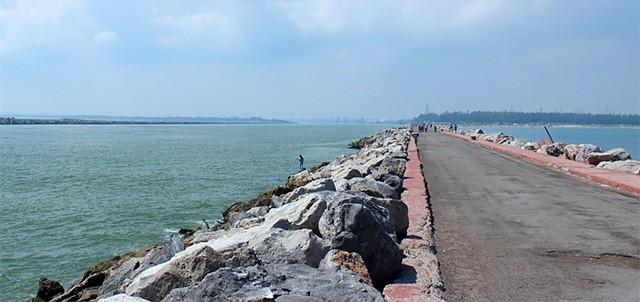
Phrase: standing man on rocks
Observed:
(301, 159)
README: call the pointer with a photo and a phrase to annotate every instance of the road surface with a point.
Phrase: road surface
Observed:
(510, 230)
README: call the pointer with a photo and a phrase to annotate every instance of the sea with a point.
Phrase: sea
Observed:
(74, 195)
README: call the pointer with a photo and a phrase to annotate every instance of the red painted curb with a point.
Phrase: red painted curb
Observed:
(415, 279)
(617, 179)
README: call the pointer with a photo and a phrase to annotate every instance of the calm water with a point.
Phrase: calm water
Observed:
(606, 138)
(71, 196)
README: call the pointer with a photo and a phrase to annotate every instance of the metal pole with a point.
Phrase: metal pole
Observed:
(545, 129)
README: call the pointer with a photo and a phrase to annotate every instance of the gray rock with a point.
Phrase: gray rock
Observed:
(304, 213)
(170, 247)
(48, 289)
(235, 217)
(204, 236)
(398, 211)
(518, 142)
(299, 179)
(399, 155)
(352, 227)
(570, 151)
(373, 188)
(120, 277)
(123, 298)
(627, 166)
(156, 282)
(291, 246)
(293, 282)
(498, 138)
(346, 173)
(555, 149)
(393, 181)
(619, 154)
(393, 166)
(594, 158)
(324, 184)
(584, 151)
(258, 211)
(530, 146)
(348, 262)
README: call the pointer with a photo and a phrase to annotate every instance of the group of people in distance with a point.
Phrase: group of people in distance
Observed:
(424, 127)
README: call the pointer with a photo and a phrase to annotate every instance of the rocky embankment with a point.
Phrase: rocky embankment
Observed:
(331, 233)
(617, 159)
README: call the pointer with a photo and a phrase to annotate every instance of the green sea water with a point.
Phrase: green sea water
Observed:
(73, 195)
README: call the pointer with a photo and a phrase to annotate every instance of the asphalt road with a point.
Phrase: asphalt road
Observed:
(509, 230)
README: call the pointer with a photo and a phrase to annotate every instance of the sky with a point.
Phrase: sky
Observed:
(312, 59)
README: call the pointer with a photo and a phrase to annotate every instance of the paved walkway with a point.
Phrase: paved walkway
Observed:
(510, 230)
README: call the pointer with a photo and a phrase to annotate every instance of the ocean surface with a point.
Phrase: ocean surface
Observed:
(74, 195)
(606, 138)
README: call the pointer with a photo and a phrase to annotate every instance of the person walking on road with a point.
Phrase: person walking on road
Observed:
(301, 160)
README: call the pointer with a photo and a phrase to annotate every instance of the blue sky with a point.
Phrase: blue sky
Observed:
(317, 59)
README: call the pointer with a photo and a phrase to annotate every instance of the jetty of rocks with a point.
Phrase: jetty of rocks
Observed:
(617, 159)
(331, 233)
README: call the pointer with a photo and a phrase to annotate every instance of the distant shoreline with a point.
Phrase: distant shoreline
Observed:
(195, 121)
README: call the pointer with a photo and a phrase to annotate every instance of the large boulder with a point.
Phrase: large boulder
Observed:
(48, 289)
(518, 142)
(156, 282)
(373, 188)
(571, 151)
(303, 213)
(398, 211)
(292, 282)
(346, 172)
(390, 165)
(628, 166)
(555, 149)
(299, 179)
(498, 138)
(324, 184)
(594, 158)
(123, 298)
(585, 150)
(532, 146)
(393, 181)
(290, 246)
(351, 262)
(619, 154)
(352, 226)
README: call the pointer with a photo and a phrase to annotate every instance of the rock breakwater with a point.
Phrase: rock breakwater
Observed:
(617, 159)
(331, 233)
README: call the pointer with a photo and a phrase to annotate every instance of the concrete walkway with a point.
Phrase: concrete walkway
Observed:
(510, 230)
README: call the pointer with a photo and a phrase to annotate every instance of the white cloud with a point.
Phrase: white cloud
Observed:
(105, 37)
(475, 11)
(335, 16)
(28, 22)
(210, 25)
(329, 16)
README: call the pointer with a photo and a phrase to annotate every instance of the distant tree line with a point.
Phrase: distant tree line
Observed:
(510, 117)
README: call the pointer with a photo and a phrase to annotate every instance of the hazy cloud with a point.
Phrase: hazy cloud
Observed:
(475, 11)
(209, 25)
(105, 37)
(329, 16)
(28, 22)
